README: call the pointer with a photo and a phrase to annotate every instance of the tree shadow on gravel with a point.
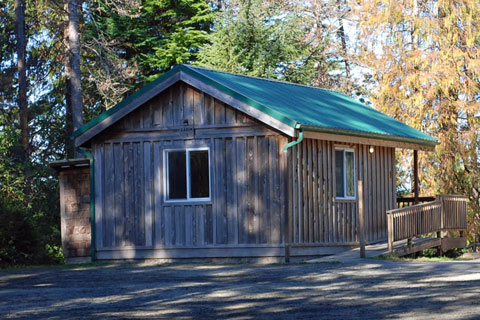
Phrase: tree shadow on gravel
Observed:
(328, 291)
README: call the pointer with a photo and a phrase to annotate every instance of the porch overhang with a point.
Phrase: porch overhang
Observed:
(373, 139)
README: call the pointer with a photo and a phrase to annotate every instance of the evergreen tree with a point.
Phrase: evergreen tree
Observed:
(277, 39)
(130, 44)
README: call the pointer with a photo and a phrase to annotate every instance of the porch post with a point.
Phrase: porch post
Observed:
(415, 176)
(415, 184)
(361, 224)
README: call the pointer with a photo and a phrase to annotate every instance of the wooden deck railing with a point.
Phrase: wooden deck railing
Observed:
(446, 212)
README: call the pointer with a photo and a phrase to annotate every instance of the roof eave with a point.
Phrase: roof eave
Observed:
(402, 142)
(83, 135)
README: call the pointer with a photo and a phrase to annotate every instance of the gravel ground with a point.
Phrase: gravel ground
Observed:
(367, 289)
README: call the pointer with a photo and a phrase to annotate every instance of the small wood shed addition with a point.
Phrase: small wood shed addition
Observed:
(207, 164)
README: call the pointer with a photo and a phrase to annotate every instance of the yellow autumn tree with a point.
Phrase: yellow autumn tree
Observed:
(425, 63)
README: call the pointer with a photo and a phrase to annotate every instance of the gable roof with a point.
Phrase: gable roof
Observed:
(287, 105)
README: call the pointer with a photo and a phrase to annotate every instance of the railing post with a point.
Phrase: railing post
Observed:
(361, 225)
(390, 231)
(442, 224)
(442, 212)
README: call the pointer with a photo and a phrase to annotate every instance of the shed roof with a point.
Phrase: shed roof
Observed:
(297, 106)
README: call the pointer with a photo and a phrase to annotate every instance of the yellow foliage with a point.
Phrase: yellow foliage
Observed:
(426, 63)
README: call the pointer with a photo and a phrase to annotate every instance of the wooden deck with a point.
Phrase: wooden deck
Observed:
(417, 224)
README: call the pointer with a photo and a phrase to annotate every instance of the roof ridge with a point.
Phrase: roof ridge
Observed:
(267, 79)
(233, 90)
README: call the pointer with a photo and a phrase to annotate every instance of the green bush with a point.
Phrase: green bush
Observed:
(17, 236)
(29, 235)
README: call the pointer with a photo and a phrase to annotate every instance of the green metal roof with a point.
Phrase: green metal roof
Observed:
(295, 105)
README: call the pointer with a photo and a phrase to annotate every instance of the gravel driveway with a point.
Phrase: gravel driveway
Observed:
(368, 289)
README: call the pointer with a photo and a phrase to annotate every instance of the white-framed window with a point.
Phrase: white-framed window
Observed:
(187, 174)
(345, 173)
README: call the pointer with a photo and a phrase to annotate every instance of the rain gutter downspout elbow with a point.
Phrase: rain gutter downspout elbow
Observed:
(295, 142)
(92, 202)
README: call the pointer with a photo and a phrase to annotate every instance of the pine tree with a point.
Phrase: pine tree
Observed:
(131, 42)
(296, 42)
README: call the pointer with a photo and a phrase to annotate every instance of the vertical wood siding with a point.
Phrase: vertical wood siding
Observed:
(317, 216)
(246, 181)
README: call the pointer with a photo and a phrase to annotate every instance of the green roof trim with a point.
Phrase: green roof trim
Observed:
(310, 108)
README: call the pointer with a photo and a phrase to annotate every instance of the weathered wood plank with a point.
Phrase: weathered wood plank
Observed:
(168, 109)
(189, 225)
(366, 188)
(315, 188)
(264, 205)
(231, 190)
(305, 209)
(383, 193)
(158, 106)
(209, 230)
(188, 106)
(332, 234)
(139, 196)
(147, 181)
(241, 170)
(129, 194)
(294, 181)
(109, 198)
(229, 115)
(323, 194)
(209, 109)
(169, 225)
(147, 115)
(219, 112)
(309, 191)
(178, 93)
(374, 196)
(199, 225)
(284, 188)
(220, 193)
(119, 197)
(98, 154)
(159, 216)
(198, 108)
(255, 175)
(275, 210)
(250, 189)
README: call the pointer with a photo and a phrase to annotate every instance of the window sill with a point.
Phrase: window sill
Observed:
(187, 202)
(345, 199)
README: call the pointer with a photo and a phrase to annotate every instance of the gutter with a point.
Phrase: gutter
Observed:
(92, 202)
(295, 142)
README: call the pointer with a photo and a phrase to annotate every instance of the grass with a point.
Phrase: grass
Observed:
(392, 257)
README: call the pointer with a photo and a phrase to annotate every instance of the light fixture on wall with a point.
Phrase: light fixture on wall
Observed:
(371, 149)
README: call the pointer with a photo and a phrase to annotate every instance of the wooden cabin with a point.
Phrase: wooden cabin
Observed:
(208, 164)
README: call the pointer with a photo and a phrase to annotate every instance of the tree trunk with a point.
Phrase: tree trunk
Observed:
(72, 70)
(343, 40)
(22, 77)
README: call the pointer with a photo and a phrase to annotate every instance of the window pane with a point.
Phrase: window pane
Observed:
(177, 175)
(199, 184)
(349, 165)
(339, 173)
